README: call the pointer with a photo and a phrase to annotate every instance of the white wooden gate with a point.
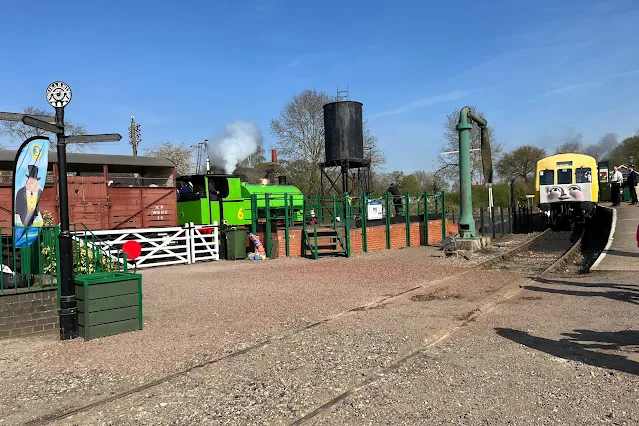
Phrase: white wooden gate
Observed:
(204, 243)
(160, 246)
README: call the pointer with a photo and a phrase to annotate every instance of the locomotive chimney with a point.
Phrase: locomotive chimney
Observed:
(274, 156)
(281, 180)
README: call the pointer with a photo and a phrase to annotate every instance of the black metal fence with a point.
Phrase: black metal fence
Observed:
(505, 221)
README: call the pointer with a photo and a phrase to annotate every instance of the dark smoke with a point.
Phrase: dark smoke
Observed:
(604, 147)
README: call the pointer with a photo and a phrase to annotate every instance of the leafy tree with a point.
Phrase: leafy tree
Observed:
(520, 163)
(18, 131)
(410, 184)
(299, 131)
(449, 163)
(181, 154)
(629, 147)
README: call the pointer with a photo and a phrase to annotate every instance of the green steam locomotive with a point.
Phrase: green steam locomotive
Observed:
(204, 199)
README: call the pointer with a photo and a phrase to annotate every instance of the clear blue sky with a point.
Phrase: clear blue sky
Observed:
(540, 70)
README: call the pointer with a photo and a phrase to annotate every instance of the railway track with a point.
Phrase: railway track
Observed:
(536, 257)
(540, 254)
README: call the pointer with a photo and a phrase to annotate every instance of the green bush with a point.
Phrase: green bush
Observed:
(86, 260)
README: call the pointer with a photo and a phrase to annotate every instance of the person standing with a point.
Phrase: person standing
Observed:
(397, 198)
(615, 185)
(631, 182)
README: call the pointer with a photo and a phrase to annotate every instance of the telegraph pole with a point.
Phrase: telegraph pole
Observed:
(134, 136)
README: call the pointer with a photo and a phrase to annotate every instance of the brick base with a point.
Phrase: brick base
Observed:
(375, 237)
(28, 313)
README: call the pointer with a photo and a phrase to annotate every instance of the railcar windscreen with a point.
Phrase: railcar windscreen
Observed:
(564, 176)
(583, 175)
(546, 177)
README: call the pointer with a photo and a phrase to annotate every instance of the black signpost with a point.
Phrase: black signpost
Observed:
(14, 116)
(59, 95)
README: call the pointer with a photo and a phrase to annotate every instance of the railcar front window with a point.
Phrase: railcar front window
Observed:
(564, 176)
(583, 175)
(546, 177)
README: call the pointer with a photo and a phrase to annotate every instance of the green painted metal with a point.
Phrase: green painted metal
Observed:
(443, 195)
(347, 228)
(287, 218)
(426, 243)
(364, 207)
(466, 221)
(407, 215)
(387, 219)
(318, 210)
(267, 210)
(254, 216)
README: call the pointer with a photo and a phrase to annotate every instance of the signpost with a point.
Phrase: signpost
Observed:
(108, 137)
(58, 95)
(34, 122)
(14, 116)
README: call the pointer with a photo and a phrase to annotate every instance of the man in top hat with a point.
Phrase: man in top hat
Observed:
(28, 198)
(631, 183)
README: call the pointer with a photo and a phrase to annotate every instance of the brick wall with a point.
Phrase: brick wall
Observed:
(375, 237)
(28, 313)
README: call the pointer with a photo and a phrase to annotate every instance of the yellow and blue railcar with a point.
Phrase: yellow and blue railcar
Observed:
(566, 187)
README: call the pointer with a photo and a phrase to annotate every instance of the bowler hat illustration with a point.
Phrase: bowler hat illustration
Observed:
(33, 172)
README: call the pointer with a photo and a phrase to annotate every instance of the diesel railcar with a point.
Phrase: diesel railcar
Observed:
(567, 188)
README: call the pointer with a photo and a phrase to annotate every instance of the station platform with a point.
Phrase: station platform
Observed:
(621, 252)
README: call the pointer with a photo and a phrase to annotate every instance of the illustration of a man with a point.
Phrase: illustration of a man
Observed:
(28, 198)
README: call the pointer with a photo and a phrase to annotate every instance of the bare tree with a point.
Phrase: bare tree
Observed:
(431, 182)
(21, 132)
(299, 131)
(572, 146)
(181, 154)
(449, 163)
(520, 163)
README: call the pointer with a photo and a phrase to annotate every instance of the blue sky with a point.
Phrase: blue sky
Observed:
(540, 70)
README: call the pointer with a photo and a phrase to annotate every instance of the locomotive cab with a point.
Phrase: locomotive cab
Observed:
(199, 203)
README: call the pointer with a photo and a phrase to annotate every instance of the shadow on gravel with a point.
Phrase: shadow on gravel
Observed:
(571, 348)
(620, 292)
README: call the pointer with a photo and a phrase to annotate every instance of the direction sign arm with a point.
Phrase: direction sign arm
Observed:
(109, 137)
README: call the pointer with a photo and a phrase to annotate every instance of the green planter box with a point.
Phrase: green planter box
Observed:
(108, 303)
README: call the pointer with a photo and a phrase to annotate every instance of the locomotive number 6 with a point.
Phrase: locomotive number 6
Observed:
(240, 213)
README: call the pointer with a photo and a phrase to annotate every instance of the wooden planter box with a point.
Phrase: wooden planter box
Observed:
(108, 303)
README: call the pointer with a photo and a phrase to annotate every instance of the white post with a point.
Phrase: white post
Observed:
(490, 199)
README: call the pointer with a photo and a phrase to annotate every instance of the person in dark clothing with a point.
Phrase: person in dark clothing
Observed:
(214, 194)
(631, 183)
(397, 198)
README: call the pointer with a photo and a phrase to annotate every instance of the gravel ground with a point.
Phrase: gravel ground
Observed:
(564, 351)
(195, 313)
(524, 362)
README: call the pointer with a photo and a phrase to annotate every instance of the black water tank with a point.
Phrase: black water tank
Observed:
(343, 130)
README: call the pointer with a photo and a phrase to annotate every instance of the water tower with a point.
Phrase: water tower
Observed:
(345, 159)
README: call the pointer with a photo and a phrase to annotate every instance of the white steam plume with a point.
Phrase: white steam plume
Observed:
(235, 143)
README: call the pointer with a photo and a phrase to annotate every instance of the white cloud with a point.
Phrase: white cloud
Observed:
(420, 103)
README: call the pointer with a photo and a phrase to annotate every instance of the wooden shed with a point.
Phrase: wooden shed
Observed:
(105, 191)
